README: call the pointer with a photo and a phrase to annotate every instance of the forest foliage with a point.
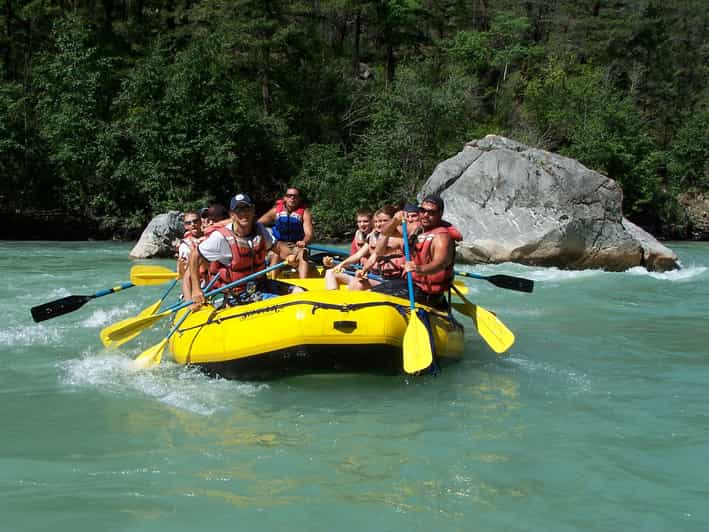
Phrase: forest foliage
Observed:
(115, 110)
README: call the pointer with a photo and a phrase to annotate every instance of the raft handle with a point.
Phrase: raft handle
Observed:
(346, 326)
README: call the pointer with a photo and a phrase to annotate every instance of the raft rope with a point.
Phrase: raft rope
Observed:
(316, 305)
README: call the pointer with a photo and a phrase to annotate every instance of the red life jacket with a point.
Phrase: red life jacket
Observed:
(188, 239)
(391, 266)
(436, 283)
(359, 240)
(248, 255)
(456, 235)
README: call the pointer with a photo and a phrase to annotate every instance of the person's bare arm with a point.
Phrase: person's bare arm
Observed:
(197, 294)
(392, 228)
(307, 229)
(268, 218)
(442, 256)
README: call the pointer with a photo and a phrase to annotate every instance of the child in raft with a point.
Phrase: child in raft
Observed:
(388, 265)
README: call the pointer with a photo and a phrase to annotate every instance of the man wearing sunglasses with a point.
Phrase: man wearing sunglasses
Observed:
(292, 226)
(432, 254)
(192, 236)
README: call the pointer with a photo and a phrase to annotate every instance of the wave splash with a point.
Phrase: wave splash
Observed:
(181, 387)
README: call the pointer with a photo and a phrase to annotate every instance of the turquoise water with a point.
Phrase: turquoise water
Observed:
(596, 420)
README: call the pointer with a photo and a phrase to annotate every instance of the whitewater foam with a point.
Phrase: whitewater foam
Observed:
(101, 317)
(185, 388)
(579, 382)
(30, 335)
(685, 274)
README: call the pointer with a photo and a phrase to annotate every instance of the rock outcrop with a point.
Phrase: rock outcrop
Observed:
(697, 211)
(159, 237)
(514, 203)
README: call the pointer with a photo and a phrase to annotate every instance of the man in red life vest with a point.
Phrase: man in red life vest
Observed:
(432, 255)
(292, 226)
(233, 251)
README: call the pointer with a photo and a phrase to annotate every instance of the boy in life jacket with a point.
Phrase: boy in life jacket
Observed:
(364, 227)
(192, 236)
(233, 251)
(432, 255)
(292, 226)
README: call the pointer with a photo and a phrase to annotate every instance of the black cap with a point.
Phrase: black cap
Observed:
(204, 212)
(411, 207)
(435, 199)
(241, 200)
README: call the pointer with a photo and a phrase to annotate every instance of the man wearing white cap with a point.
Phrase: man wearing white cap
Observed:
(234, 251)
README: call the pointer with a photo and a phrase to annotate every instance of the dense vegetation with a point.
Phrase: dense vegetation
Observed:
(114, 110)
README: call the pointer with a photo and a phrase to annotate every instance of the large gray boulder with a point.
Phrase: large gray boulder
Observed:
(159, 237)
(514, 203)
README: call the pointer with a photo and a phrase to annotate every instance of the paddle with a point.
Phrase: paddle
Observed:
(489, 326)
(149, 274)
(152, 309)
(114, 334)
(332, 251)
(418, 354)
(503, 281)
(153, 355)
(321, 257)
(149, 311)
(69, 304)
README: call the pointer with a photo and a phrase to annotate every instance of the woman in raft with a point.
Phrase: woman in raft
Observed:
(388, 264)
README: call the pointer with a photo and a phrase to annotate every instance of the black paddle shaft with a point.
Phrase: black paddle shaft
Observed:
(59, 307)
(512, 283)
(68, 304)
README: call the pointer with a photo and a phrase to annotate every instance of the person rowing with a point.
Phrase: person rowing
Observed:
(432, 255)
(292, 226)
(387, 264)
(233, 251)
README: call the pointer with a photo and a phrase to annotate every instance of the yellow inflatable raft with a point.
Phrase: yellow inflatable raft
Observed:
(309, 332)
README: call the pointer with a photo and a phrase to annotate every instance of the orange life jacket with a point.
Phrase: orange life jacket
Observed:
(456, 235)
(248, 255)
(436, 283)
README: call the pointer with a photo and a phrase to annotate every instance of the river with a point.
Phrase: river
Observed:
(596, 420)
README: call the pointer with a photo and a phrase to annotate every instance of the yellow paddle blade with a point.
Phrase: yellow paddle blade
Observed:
(149, 311)
(462, 288)
(417, 345)
(151, 356)
(152, 309)
(490, 328)
(119, 333)
(149, 274)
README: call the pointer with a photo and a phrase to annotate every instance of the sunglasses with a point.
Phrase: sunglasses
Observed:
(430, 212)
(192, 222)
(292, 195)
